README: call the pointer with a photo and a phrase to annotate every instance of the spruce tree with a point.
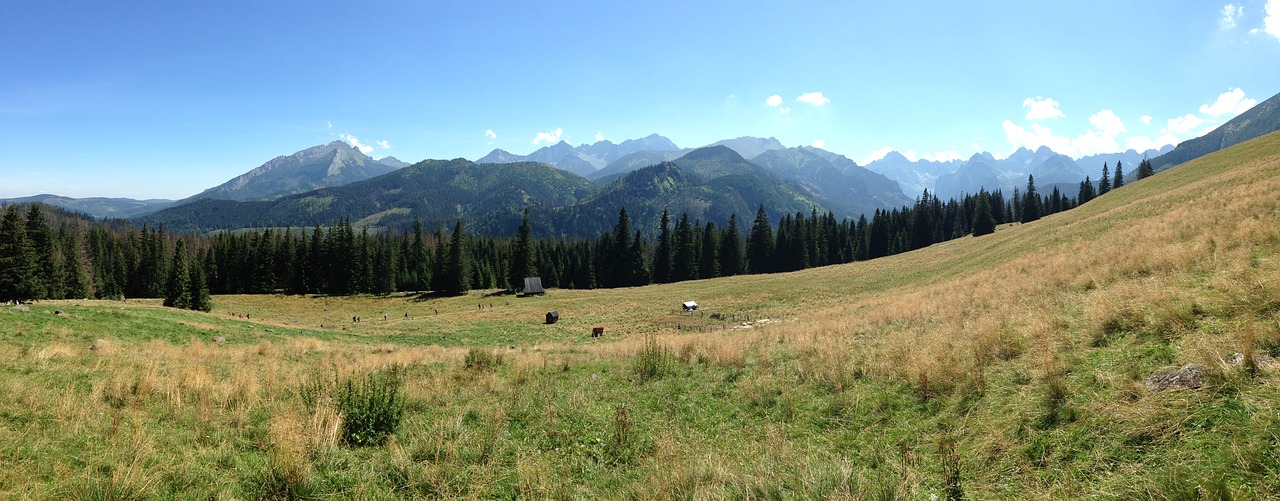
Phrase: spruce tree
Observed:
(77, 281)
(1030, 202)
(1145, 170)
(760, 244)
(731, 255)
(17, 259)
(621, 262)
(417, 260)
(662, 256)
(1119, 180)
(459, 265)
(709, 255)
(684, 264)
(522, 255)
(178, 292)
(440, 260)
(983, 222)
(1104, 184)
(199, 291)
(48, 279)
(637, 270)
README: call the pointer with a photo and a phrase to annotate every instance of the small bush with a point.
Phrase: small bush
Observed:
(371, 407)
(481, 360)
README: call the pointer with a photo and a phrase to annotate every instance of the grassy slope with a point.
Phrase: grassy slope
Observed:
(1004, 366)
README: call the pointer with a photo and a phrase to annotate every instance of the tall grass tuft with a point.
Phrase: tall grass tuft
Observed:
(653, 359)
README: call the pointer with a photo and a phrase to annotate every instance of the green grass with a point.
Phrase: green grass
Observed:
(1006, 366)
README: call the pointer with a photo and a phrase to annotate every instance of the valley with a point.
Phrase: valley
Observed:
(1011, 365)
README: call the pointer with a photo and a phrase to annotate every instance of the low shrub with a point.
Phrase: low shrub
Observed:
(371, 407)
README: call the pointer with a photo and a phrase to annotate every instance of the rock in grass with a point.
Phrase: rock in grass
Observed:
(1188, 377)
(22, 307)
(219, 339)
(98, 345)
(1260, 360)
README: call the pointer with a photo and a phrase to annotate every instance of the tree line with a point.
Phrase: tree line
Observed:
(53, 254)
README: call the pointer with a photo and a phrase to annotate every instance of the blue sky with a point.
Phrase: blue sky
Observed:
(163, 99)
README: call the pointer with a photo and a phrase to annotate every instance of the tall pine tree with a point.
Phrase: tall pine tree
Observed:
(178, 292)
(459, 264)
(199, 288)
(1030, 202)
(1104, 184)
(663, 255)
(17, 259)
(760, 245)
(983, 222)
(1119, 180)
(522, 255)
(731, 255)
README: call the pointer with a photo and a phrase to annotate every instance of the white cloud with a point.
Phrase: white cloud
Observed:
(1107, 122)
(875, 155)
(1271, 24)
(384, 145)
(489, 133)
(773, 101)
(1231, 102)
(330, 124)
(1144, 143)
(354, 142)
(1182, 124)
(818, 143)
(599, 136)
(1036, 137)
(1230, 14)
(784, 110)
(814, 98)
(1146, 119)
(1042, 108)
(552, 137)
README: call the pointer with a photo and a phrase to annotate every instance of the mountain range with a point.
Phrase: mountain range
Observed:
(982, 170)
(709, 183)
(564, 184)
(583, 159)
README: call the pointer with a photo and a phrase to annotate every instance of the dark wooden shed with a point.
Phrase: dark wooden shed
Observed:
(553, 316)
(533, 285)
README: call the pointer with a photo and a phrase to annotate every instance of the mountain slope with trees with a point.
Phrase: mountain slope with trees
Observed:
(1259, 120)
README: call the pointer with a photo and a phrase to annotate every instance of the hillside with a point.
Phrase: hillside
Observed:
(1262, 119)
(1013, 365)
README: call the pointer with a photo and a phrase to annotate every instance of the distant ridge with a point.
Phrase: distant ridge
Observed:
(98, 207)
(1260, 120)
(584, 159)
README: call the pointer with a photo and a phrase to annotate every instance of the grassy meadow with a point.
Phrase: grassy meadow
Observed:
(1005, 366)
